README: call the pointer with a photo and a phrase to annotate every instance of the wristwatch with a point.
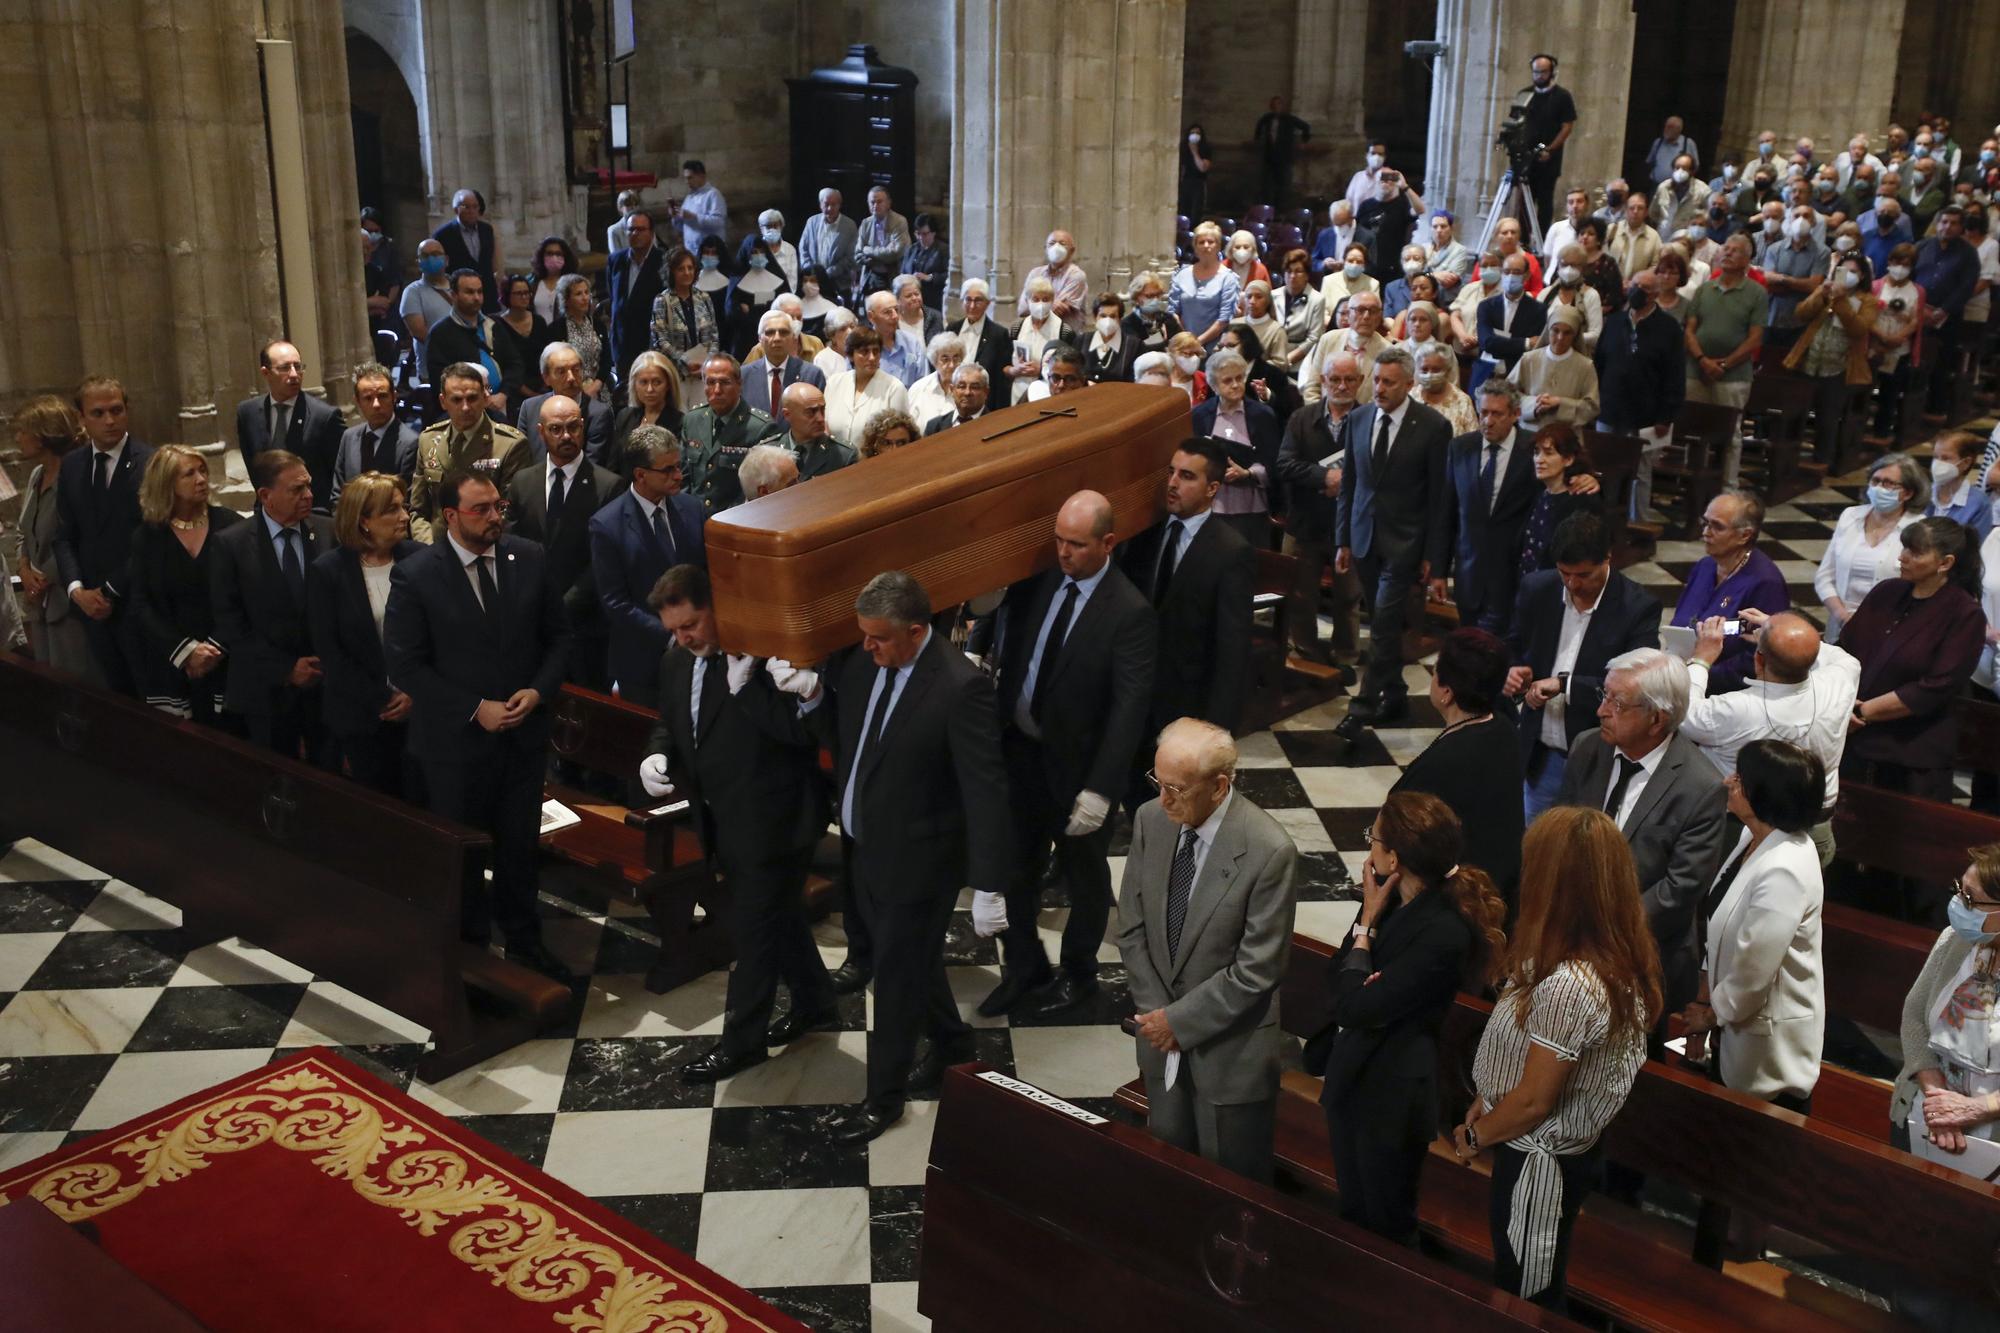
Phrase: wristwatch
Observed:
(1562, 683)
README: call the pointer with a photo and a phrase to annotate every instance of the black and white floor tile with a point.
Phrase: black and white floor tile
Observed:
(106, 1014)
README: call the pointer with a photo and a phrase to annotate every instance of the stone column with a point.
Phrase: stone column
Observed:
(1065, 116)
(1825, 70)
(493, 79)
(1970, 51)
(1485, 64)
(1329, 92)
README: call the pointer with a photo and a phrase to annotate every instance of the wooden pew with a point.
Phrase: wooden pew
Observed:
(1776, 413)
(1615, 461)
(1084, 1223)
(1281, 684)
(362, 890)
(1691, 466)
(1978, 736)
(1920, 839)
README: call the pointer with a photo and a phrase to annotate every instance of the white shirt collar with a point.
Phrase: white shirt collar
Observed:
(1649, 763)
(1396, 417)
(567, 470)
(465, 557)
(646, 507)
(1569, 603)
(1205, 832)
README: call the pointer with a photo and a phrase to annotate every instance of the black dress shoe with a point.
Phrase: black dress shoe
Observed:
(717, 1064)
(795, 1025)
(927, 1075)
(1068, 992)
(865, 1123)
(1014, 987)
(1350, 728)
(1392, 709)
(849, 978)
(537, 956)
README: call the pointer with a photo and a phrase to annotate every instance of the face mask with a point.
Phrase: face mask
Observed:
(760, 260)
(1188, 364)
(1374, 161)
(710, 263)
(1772, 226)
(772, 235)
(432, 264)
(1899, 272)
(1943, 473)
(1886, 499)
(1194, 138)
(1106, 327)
(1843, 243)
(1763, 184)
(1241, 255)
(1798, 228)
(1969, 922)
(1056, 254)
(1923, 150)
(1155, 307)
(1766, 149)
(1038, 310)
(1729, 172)
(1352, 271)
(1614, 198)
(1696, 231)
(1635, 297)
(811, 290)
(1824, 187)
(1489, 278)
(1849, 279)
(1514, 284)
(1569, 275)
(1430, 379)
(1680, 175)
(1412, 267)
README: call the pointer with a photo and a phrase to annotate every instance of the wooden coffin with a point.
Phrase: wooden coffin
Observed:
(967, 511)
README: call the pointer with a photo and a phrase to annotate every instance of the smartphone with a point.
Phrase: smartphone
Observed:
(1732, 627)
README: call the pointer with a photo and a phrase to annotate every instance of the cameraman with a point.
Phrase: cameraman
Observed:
(1550, 117)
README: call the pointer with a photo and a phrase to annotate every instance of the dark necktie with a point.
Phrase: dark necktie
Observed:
(489, 595)
(1180, 885)
(294, 563)
(1169, 550)
(1626, 768)
(1487, 475)
(1052, 649)
(368, 439)
(662, 533)
(777, 386)
(281, 424)
(101, 480)
(556, 499)
(1381, 455)
(871, 736)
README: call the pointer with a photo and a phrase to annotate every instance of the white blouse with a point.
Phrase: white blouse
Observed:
(1851, 566)
(928, 399)
(848, 411)
(376, 579)
(1035, 337)
(1989, 601)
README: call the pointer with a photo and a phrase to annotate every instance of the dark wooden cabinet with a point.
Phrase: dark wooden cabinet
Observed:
(854, 126)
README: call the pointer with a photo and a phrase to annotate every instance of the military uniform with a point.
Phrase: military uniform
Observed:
(818, 458)
(504, 449)
(712, 448)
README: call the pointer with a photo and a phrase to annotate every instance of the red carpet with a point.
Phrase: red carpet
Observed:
(310, 1196)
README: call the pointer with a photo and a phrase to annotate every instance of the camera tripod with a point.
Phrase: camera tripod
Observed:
(1512, 189)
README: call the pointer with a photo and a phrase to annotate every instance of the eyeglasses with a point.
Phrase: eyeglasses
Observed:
(1964, 895)
(1167, 788)
(1618, 705)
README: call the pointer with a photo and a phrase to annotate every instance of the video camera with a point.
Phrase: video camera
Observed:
(1513, 137)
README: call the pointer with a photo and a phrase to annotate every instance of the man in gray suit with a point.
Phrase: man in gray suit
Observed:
(1664, 794)
(1205, 929)
(562, 371)
(378, 442)
(779, 338)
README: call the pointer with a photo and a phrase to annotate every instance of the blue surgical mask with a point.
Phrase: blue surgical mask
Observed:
(1923, 150)
(1886, 499)
(1969, 922)
(760, 260)
(431, 264)
(1352, 271)
(711, 262)
(772, 235)
(1513, 284)
(1154, 307)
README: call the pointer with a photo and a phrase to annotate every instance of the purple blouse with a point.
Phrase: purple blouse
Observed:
(1757, 584)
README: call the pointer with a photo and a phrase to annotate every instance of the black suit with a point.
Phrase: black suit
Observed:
(1483, 544)
(1505, 342)
(451, 342)
(1391, 517)
(751, 768)
(395, 454)
(1203, 666)
(1627, 617)
(633, 290)
(448, 654)
(1094, 686)
(458, 255)
(945, 421)
(996, 353)
(568, 549)
(354, 679)
(1311, 516)
(262, 624)
(312, 432)
(926, 815)
(93, 547)
(1380, 1093)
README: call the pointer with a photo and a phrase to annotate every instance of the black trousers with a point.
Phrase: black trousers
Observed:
(1549, 1214)
(293, 729)
(377, 759)
(1940, 368)
(911, 996)
(1386, 584)
(501, 792)
(1378, 1157)
(1541, 185)
(767, 926)
(853, 921)
(1039, 819)
(113, 645)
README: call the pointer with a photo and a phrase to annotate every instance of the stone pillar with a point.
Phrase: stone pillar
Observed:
(1329, 92)
(1825, 70)
(1970, 53)
(493, 79)
(1065, 116)
(1485, 64)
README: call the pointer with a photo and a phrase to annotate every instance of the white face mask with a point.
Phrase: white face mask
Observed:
(1489, 278)
(1696, 231)
(1056, 254)
(1899, 272)
(1412, 267)
(1038, 310)
(1843, 243)
(1772, 226)
(1680, 175)
(1798, 229)
(1241, 254)
(772, 235)
(1194, 138)
(1352, 271)
(1569, 275)
(1849, 279)
(1374, 161)
(1729, 173)
(1188, 364)
(1106, 327)
(1943, 473)
(1430, 379)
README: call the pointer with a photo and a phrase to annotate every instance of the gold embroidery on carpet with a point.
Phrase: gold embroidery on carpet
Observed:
(517, 1243)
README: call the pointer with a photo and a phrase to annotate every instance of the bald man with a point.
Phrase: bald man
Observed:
(1075, 652)
(1803, 691)
(805, 437)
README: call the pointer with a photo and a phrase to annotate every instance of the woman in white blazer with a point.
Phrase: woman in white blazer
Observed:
(854, 397)
(1762, 991)
(1867, 541)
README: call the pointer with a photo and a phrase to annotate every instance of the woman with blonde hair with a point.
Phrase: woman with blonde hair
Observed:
(1185, 372)
(1429, 924)
(1203, 294)
(44, 430)
(184, 662)
(656, 401)
(1580, 989)
(345, 602)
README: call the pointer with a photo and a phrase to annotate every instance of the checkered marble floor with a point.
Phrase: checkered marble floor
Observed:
(105, 1014)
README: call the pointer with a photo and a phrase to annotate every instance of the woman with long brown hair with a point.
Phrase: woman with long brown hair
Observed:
(1580, 989)
(1428, 925)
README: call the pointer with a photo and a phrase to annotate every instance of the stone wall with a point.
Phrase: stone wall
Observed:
(1239, 56)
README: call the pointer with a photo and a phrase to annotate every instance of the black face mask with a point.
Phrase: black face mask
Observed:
(1615, 199)
(1635, 297)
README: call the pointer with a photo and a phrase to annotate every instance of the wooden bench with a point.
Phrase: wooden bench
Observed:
(1917, 839)
(1978, 736)
(1614, 460)
(362, 890)
(1281, 683)
(1776, 414)
(1688, 472)
(651, 853)
(1086, 1223)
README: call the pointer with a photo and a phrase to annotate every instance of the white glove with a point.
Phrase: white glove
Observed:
(653, 775)
(741, 667)
(989, 914)
(791, 679)
(1087, 815)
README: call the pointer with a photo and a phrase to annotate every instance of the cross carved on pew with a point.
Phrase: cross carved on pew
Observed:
(1045, 414)
(1239, 1253)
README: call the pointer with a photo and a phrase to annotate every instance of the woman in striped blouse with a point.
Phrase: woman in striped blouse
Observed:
(1580, 990)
